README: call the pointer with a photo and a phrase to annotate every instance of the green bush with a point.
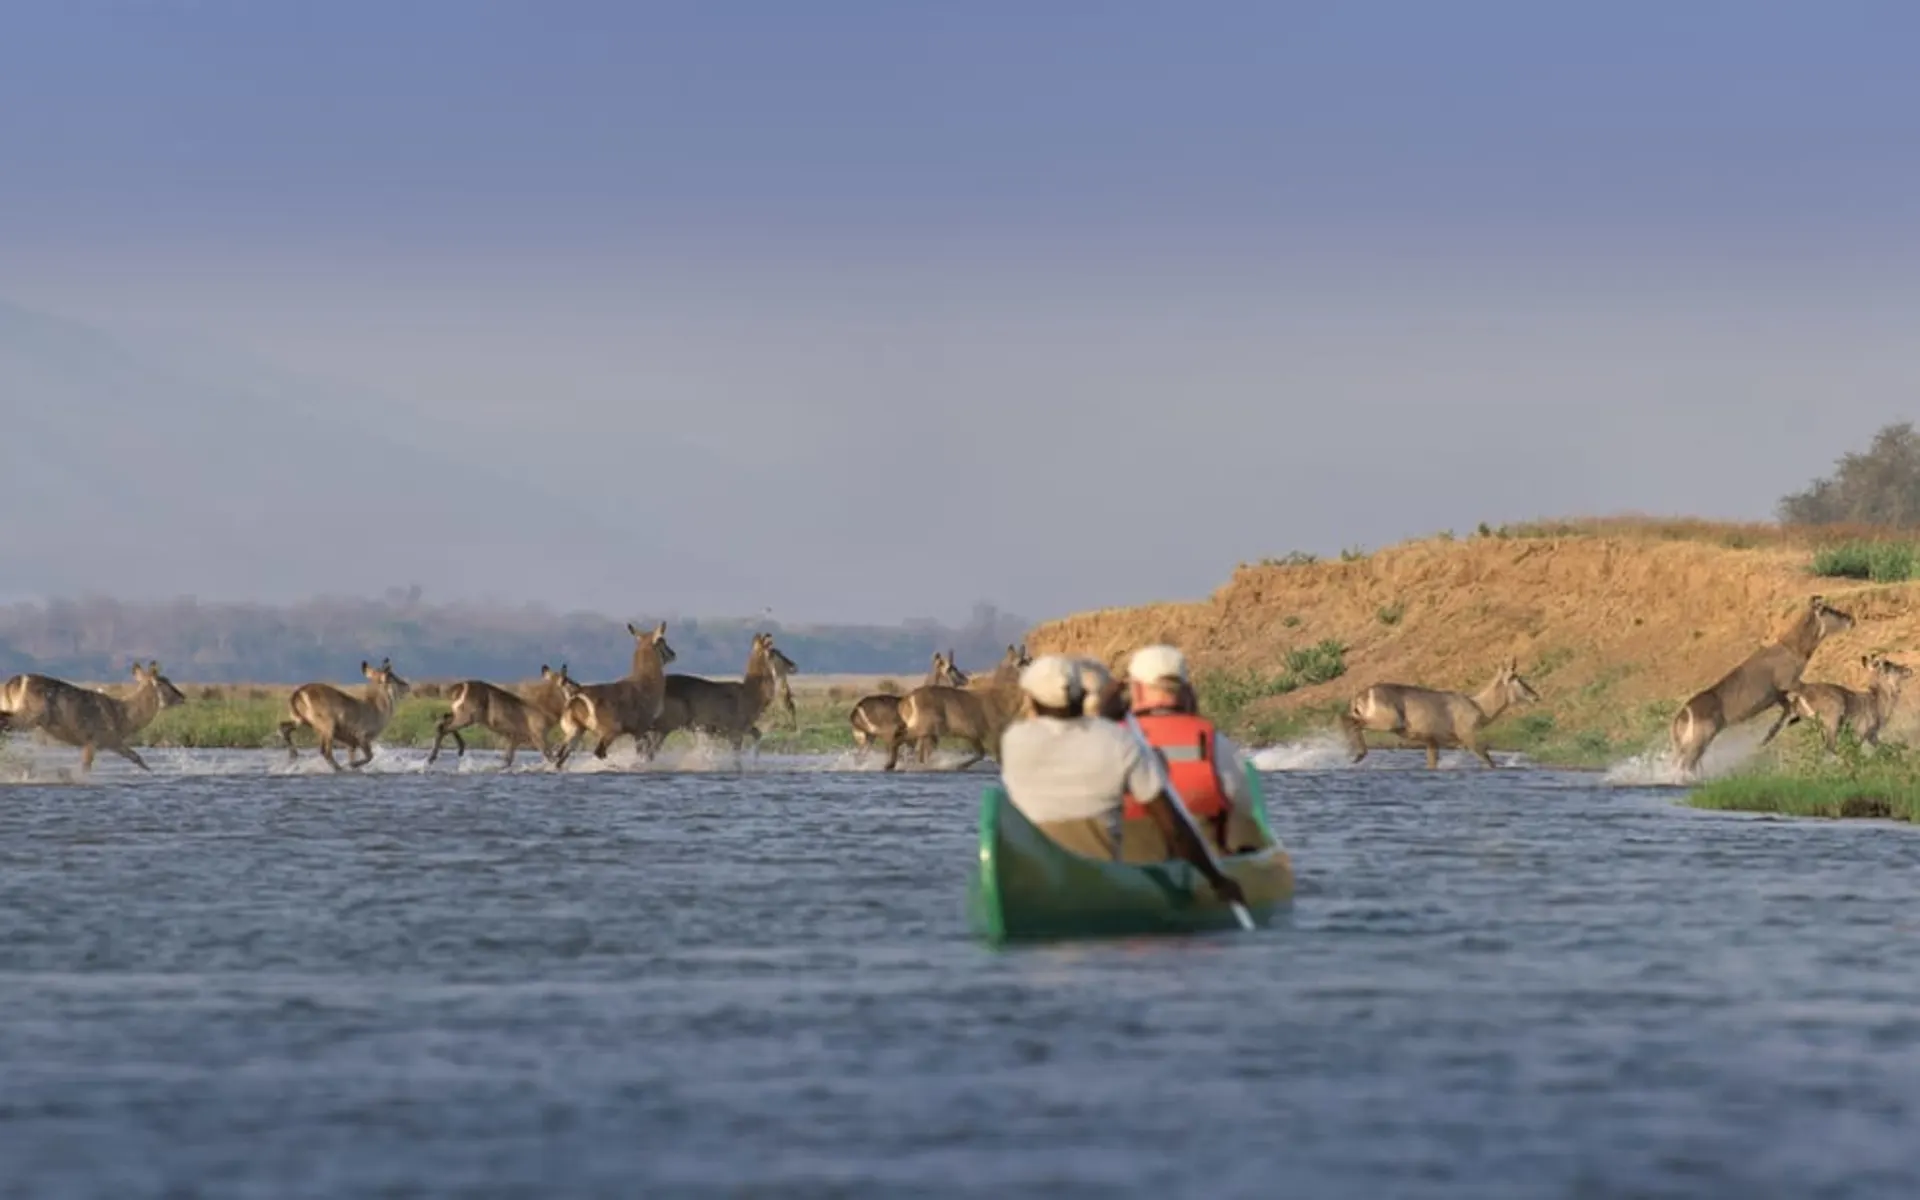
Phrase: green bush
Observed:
(1808, 782)
(1534, 726)
(1318, 663)
(1880, 562)
(1225, 696)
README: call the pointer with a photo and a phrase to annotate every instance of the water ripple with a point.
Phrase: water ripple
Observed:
(1514, 983)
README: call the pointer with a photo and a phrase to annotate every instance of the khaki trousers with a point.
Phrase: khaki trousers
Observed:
(1140, 840)
(1091, 836)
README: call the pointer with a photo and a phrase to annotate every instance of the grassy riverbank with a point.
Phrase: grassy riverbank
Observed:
(1614, 621)
(248, 716)
(1803, 781)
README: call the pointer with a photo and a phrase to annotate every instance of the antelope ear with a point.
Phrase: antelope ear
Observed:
(660, 630)
(136, 669)
(633, 629)
(1866, 660)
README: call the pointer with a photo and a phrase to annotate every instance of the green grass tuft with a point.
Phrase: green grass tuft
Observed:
(1550, 661)
(1806, 782)
(1880, 562)
(1324, 660)
(1226, 696)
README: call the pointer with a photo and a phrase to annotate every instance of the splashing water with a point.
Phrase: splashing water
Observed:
(1329, 751)
(28, 763)
(1656, 766)
(1317, 753)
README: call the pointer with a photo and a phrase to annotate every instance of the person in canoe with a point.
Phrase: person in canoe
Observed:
(1070, 774)
(1102, 695)
(1206, 766)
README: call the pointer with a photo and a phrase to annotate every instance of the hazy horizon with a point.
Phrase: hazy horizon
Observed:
(863, 312)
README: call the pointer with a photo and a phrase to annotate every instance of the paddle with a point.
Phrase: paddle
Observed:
(1181, 814)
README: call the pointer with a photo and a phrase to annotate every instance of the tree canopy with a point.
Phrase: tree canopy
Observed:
(1876, 486)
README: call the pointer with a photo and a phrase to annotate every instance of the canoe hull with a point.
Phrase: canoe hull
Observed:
(1026, 887)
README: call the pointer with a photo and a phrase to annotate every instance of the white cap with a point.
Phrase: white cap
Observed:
(1153, 664)
(1050, 680)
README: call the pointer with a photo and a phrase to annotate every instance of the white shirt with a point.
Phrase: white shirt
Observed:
(1067, 769)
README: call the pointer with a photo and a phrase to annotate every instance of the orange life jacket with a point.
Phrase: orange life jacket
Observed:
(1186, 743)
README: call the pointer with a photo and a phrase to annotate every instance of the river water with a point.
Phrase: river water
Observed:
(222, 980)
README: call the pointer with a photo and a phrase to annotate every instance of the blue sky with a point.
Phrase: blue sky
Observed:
(1363, 270)
(804, 126)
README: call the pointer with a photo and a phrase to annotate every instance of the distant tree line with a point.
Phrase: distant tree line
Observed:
(1876, 486)
(97, 639)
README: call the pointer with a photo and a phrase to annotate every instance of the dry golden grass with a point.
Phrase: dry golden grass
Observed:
(1734, 535)
(1616, 620)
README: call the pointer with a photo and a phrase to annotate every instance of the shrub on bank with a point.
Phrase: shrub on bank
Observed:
(1879, 562)
(1226, 696)
(1807, 782)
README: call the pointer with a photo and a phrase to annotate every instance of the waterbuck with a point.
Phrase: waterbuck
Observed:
(334, 716)
(519, 721)
(625, 706)
(1833, 707)
(85, 718)
(976, 714)
(1434, 718)
(1760, 682)
(725, 710)
(875, 716)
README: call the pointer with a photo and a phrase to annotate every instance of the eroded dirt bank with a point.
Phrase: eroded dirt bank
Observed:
(1615, 631)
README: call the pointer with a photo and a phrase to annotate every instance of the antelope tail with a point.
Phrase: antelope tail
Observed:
(1683, 722)
(580, 712)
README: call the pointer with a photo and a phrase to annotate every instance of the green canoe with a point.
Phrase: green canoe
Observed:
(1027, 887)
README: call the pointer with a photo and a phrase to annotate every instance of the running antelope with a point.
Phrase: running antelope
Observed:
(976, 714)
(86, 718)
(875, 716)
(1833, 707)
(625, 706)
(519, 721)
(334, 716)
(727, 710)
(1760, 682)
(1433, 718)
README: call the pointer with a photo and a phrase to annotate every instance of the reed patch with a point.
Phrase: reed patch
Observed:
(1855, 782)
(1875, 561)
